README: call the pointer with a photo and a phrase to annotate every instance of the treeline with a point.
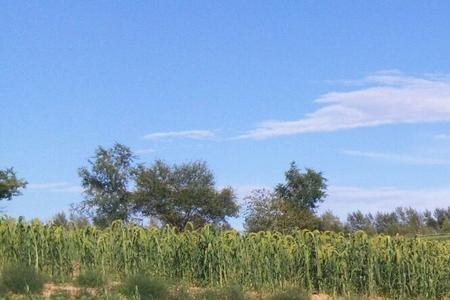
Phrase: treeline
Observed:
(117, 187)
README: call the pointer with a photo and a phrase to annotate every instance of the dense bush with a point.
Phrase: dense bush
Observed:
(91, 279)
(231, 292)
(20, 278)
(146, 287)
(290, 294)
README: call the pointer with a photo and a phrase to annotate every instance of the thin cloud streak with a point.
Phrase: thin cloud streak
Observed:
(388, 97)
(60, 187)
(398, 158)
(145, 151)
(192, 134)
(442, 136)
(346, 199)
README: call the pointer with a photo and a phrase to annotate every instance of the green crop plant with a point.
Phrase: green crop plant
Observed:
(333, 263)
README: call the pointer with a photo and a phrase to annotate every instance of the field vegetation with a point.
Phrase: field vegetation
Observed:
(161, 231)
(327, 262)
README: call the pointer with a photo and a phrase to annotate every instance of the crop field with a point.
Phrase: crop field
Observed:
(437, 237)
(332, 263)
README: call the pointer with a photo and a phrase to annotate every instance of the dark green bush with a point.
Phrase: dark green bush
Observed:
(291, 294)
(231, 292)
(21, 279)
(180, 293)
(91, 279)
(146, 287)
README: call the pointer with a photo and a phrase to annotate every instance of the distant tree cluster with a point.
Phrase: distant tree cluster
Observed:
(116, 187)
(404, 221)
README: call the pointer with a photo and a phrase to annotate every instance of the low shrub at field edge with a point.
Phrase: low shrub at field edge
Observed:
(21, 279)
(290, 294)
(90, 279)
(146, 287)
(231, 292)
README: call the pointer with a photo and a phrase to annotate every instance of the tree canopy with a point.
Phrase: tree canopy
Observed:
(106, 184)
(302, 190)
(290, 205)
(182, 193)
(116, 188)
(10, 185)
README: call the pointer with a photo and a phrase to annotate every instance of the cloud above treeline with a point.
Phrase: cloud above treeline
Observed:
(388, 97)
(398, 158)
(192, 134)
(345, 199)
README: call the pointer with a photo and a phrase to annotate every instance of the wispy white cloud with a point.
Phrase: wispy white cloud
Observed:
(345, 199)
(387, 97)
(145, 151)
(192, 134)
(399, 158)
(63, 187)
(442, 136)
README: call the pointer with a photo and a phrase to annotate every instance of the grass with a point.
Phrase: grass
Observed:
(444, 237)
(90, 279)
(21, 279)
(290, 294)
(144, 287)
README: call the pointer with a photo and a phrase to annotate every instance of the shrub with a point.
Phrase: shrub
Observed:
(231, 292)
(180, 293)
(21, 279)
(91, 279)
(146, 287)
(290, 294)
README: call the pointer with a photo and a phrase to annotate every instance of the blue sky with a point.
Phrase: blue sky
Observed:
(357, 90)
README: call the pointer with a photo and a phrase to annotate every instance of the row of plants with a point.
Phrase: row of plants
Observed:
(19, 281)
(332, 263)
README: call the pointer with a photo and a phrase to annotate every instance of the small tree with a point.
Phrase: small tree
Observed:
(179, 194)
(291, 205)
(330, 222)
(106, 185)
(263, 211)
(10, 185)
(302, 190)
(267, 211)
(358, 221)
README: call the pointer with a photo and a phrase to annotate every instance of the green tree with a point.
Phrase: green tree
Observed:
(182, 193)
(358, 221)
(302, 190)
(387, 223)
(106, 184)
(291, 205)
(267, 211)
(330, 222)
(263, 211)
(10, 185)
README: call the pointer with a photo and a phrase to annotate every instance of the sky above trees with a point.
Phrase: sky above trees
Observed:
(358, 91)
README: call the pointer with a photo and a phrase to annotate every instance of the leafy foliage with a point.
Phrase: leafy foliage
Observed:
(328, 262)
(106, 185)
(290, 206)
(184, 193)
(404, 221)
(10, 185)
(302, 190)
(20, 278)
(90, 278)
(290, 294)
(146, 287)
